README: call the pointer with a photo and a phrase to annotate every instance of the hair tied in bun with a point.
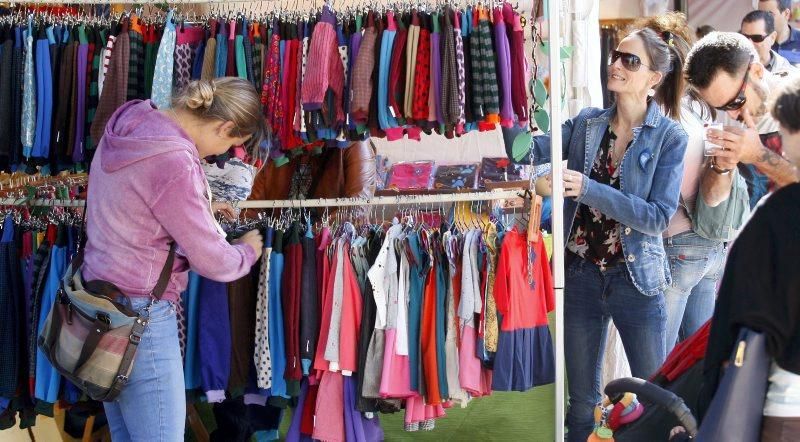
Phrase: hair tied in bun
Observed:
(199, 94)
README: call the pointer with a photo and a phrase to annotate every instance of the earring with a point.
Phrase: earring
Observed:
(651, 92)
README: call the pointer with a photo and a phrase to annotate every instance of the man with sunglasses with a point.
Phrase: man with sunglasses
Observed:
(787, 42)
(727, 74)
(759, 27)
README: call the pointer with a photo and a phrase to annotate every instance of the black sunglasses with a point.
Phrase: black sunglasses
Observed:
(631, 62)
(740, 99)
(755, 38)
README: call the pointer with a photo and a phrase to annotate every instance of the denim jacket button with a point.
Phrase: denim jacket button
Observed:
(627, 230)
(631, 258)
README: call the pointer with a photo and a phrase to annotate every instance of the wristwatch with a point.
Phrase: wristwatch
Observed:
(713, 165)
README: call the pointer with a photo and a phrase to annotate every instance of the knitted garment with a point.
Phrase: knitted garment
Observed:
(422, 83)
(270, 92)
(449, 95)
(327, 72)
(93, 89)
(362, 76)
(136, 69)
(28, 100)
(209, 60)
(412, 46)
(261, 355)
(116, 84)
(460, 74)
(106, 63)
(181, 318)
(248, 57)
(183, 66)
(488, 72)
(6, 70)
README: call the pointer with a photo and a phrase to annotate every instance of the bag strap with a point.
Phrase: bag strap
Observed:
(99, 328)
(166, 273)
(127, 359)
(77, 261)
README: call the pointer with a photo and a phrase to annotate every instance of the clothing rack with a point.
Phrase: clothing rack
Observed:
(321, 202)
(554, 22)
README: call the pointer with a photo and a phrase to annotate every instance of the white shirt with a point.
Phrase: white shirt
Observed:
(693, 161)
(381, 280)
(401, 342)
(469, 289)
(779, 65)
(783, 394)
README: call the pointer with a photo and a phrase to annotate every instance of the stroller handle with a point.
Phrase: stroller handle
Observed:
(654, 394)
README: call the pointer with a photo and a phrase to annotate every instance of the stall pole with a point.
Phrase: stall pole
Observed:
(554, 32)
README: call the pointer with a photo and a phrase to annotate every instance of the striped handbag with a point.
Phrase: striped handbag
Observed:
(91, 335)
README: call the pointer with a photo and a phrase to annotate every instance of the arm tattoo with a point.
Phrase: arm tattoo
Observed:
(770, 158)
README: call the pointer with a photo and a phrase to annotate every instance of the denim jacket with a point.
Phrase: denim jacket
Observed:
(650, 180)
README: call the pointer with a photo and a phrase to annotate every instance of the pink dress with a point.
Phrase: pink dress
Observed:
(396, 374)
(320, 363)
(417, 411)
(329, 412)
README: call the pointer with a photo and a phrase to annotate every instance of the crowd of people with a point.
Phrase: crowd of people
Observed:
(680, 204)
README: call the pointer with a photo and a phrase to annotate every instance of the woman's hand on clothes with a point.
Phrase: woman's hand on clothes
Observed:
(253, 239)
(573, 183)
(223, 209)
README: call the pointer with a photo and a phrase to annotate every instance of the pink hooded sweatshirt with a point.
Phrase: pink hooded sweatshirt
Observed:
(147, 189)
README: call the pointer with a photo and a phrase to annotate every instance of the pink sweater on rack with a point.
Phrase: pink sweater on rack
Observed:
(146, 190)
(324, 69)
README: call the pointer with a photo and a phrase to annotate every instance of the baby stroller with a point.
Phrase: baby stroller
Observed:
(670, 397)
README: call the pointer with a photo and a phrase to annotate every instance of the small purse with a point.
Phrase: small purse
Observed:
(410, 176)
(737, 407)
(455, 177)
(494, 170)
(90, 337)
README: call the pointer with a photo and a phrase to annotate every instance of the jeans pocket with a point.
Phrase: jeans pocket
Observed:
(687, 270)
(716, 264)
(162, 311)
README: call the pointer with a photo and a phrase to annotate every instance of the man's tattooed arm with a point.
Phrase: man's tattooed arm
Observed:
(776, 168)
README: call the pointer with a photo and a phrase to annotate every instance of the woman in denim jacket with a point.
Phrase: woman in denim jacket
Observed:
(625, 166)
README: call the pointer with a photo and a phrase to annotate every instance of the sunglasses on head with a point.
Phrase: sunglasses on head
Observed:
(755, 38)
(740, 99)
(631, 62)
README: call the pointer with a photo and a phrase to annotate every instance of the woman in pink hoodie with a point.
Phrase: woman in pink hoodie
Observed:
(147, 191)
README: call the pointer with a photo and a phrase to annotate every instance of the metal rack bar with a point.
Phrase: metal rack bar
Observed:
(321, 202)
(41, 202)
(554, 24)
(131, 2)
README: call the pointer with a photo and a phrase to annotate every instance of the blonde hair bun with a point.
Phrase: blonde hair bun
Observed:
(225, 99)
(199, 94)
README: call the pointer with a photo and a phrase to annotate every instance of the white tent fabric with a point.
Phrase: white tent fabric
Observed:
(653, 7)
(585, 81)
(707, 12)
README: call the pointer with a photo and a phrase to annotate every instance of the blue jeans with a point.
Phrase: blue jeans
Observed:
(593, 297)
(696, 265)
(152, 407)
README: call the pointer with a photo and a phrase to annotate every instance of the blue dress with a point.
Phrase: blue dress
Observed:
(277, 345)
(191, 365)
(415, 286)
(48, 380)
